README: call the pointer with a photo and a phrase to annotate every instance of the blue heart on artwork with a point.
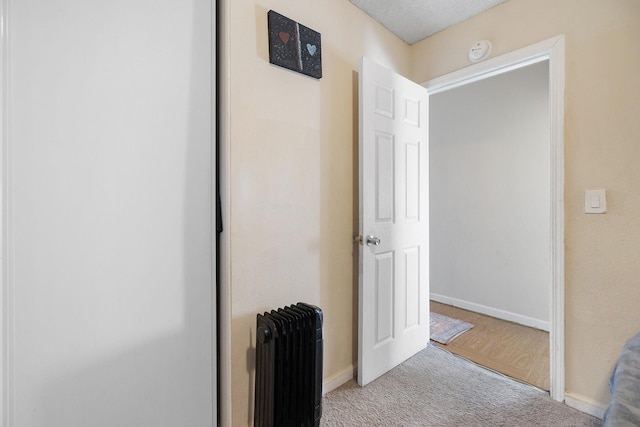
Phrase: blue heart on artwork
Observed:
(311, 48)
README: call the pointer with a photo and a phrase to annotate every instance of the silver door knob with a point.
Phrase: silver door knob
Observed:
(372, 240)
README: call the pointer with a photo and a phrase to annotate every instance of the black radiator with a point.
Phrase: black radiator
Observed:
(289, 367)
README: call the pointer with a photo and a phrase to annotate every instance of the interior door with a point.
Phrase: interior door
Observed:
(393, 321)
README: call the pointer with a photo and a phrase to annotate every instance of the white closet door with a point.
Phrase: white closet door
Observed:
(110, 250)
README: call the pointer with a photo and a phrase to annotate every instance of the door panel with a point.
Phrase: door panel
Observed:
(393, 289)
(384, 297)
(385, 186)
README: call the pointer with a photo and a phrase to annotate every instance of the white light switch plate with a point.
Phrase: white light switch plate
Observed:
(595, 201)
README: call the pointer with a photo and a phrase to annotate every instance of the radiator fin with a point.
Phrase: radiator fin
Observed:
(288, 381)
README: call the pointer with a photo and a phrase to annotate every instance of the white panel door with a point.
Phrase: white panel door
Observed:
(110, 252)
(393, 319)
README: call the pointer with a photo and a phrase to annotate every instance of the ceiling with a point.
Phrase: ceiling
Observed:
(415, 20)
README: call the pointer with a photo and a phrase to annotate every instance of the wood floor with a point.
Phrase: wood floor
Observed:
(514, 350)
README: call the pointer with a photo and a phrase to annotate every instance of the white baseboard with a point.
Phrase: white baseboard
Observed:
(335, 381)
(584, 404)
(493, 312)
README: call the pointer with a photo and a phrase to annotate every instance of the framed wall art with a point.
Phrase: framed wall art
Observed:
(294, 46)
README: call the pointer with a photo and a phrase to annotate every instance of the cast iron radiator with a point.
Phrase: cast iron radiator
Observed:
(289, 367)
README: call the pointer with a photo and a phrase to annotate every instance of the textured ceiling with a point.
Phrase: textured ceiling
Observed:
(414, 20)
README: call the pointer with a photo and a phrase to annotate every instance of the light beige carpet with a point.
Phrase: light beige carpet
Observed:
(437, 388)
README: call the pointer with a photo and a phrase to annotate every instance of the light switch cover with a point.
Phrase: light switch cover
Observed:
(595, 201)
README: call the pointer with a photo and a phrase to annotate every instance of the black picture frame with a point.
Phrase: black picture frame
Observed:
(294, 46)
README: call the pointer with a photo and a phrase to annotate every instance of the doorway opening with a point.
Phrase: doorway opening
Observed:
(515, 350)
(496, 199)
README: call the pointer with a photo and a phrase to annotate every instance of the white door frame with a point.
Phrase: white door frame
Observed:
(5, 295)
(552, 50)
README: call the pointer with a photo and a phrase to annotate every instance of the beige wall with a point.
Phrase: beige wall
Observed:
(292, 160)
(602, 141)
(291, 167)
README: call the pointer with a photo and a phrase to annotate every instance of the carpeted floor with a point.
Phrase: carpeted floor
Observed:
(437, 388)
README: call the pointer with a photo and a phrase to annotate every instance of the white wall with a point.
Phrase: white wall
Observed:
(109, 191)
(490, 195)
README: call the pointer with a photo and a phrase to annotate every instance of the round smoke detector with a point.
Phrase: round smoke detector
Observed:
(479, 51)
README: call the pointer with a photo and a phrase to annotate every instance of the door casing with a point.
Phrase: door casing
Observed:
(552, 50)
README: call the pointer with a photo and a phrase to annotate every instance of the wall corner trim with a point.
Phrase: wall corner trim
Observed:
(340, 378)
(584, 404)
(493, 312)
